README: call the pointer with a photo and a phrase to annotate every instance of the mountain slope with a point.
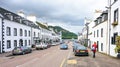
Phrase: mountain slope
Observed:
(65, 33)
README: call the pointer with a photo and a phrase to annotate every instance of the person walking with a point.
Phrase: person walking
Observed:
(94, 48)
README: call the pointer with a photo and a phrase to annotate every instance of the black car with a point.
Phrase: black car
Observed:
(81, 50)
(21, 50)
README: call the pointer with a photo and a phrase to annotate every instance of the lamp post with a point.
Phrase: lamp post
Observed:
(109, 24)
(87, 28)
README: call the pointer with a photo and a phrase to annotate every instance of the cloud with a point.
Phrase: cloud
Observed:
(57, 11)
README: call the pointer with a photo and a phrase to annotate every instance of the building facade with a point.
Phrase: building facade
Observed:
(114, 19)
(16, 30)
(100, 32)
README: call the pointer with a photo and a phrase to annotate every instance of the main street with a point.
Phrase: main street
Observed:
(54, 57)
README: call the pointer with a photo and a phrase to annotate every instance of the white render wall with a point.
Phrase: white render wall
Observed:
(45, 33)
(19, 26)
(90, 34)
(101, 39)
(36, 34)
(115, 29)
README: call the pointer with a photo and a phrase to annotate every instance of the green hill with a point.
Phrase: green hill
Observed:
(65, 33)
(41, 25)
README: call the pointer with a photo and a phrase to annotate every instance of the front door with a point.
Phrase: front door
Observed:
(20, 42)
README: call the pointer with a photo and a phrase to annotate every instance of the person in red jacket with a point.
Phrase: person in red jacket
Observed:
(94, 48)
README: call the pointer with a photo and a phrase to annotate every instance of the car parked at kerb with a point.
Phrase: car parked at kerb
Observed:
(21, 50)
(81, 50)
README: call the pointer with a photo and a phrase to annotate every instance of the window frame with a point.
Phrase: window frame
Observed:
(101, 32)
(116, 15)
(15, 43)
(21, 32)
(25, 33)
(8, 44)
(8, 31)
(15, 32)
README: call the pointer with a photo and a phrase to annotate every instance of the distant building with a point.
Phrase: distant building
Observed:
(32, 18)
(21, 13)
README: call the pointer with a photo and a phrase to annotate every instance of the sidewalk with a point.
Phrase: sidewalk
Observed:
(6, 54)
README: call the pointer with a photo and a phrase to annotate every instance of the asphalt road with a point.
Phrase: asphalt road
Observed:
(51, 57)
(54, 57)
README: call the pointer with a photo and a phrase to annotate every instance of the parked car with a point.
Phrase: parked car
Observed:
(41, 46)
(63, 46)
(48, 45)
(81, 50)
(74, 45)
(21, 50)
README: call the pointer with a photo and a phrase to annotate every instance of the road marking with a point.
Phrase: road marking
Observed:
(71, 62)
(69, 54)
(61, 65)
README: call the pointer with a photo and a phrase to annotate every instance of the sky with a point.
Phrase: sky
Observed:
(69, 14)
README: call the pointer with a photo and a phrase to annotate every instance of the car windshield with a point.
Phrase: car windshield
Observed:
(81, 47)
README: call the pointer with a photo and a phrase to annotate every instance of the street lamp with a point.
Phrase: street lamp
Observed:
(109, 24)
(87, 28)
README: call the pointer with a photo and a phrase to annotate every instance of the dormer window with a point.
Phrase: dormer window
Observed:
(99, 20)
(96, 22)
(104, 17)
(115, 0)
(18, 19)
(9, 15)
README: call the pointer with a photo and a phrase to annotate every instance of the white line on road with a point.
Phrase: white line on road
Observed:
(69, 54)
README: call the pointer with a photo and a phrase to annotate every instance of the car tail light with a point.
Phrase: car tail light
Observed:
(86, 50)
(77, 50)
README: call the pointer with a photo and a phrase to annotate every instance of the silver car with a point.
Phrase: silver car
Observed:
(21, 50)
(41, 46)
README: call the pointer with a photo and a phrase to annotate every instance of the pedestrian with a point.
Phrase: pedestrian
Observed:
(94, 47)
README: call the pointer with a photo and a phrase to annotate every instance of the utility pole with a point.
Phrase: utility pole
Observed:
(109, 24)
(87, 29)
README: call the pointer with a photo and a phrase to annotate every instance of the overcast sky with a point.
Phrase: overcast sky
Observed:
(68, 14)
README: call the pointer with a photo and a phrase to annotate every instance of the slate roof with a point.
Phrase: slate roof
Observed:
(16, 18)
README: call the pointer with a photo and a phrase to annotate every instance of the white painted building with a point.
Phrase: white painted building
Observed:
(114, 15)
(36, 35)
(32, 18)
(100, 32)
(15, 34)
(90, 33)
(16, 31)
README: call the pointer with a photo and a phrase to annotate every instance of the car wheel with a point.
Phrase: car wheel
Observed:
(23, 53)
(74, 53)
(13, 54)
(30, 51)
